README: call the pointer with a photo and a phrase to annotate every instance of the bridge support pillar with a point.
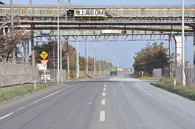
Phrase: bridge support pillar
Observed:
(68, 60)
(24, 50)
(27, 55)
(32, 47)
(170, 53)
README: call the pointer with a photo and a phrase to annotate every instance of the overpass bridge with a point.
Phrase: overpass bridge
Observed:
(134, 23)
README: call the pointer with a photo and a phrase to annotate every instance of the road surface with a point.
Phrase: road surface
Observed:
(116, 102)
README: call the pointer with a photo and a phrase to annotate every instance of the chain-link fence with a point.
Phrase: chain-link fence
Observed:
(12, 74)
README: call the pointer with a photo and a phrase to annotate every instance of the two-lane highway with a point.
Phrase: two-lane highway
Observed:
(116, 102)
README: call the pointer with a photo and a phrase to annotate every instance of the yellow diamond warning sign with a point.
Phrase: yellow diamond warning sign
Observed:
(44, 55)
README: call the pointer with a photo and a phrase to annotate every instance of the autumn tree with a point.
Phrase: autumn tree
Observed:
(151, 57)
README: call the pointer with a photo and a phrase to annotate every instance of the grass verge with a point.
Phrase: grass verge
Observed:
(22, 91)
(187, 90)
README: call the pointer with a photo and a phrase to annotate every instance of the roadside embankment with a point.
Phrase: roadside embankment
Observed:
(21, 90)
(187, 92)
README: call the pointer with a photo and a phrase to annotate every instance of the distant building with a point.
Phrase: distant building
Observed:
(1, 2)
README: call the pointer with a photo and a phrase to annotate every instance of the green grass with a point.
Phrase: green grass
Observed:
(187, 90)
(89, 77)
(147, 78)
(22, 91)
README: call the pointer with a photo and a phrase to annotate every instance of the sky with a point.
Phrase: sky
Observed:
(125, 50)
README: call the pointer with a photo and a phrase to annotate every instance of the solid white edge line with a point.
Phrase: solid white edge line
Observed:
(35, 102)
(103, 102)
(102, 115)
(6, 115)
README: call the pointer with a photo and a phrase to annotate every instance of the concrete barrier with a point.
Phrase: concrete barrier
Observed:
(12, 74)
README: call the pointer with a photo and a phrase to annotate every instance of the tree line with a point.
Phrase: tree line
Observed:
(151, 57)
(51, 49)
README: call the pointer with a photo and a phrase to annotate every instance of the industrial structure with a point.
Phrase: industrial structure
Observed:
(85, 23)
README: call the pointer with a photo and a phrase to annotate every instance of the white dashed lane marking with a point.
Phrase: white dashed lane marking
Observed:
(103, 94)
(103, 102)
(102, 115)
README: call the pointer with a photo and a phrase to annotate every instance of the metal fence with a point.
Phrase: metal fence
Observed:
(189, 72)
(54, 73)
(12, 74)
(176, 73)
(161, 72)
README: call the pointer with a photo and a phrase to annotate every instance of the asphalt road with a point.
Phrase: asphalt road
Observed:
(117, 102)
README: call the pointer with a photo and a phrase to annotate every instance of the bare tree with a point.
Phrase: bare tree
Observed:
(11, 42)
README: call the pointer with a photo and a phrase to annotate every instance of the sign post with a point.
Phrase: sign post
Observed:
(44, 62)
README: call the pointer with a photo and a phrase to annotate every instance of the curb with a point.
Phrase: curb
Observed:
(191, 97)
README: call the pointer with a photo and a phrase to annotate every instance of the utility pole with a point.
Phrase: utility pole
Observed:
(12, 17)
(86, 56)
(94, 58)
(12, 28)
(30, 2)
(60, 51)
(53, 60)
(77, 56)
(58, 79)
(183, 61)
(186, 48)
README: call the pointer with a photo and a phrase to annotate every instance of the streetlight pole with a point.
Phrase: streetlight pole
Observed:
(94, 58)
(104, 58)
(109, 59)
(99, 55)
(59, 1)
(86, 56)
(183, 61)
(106, 67)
